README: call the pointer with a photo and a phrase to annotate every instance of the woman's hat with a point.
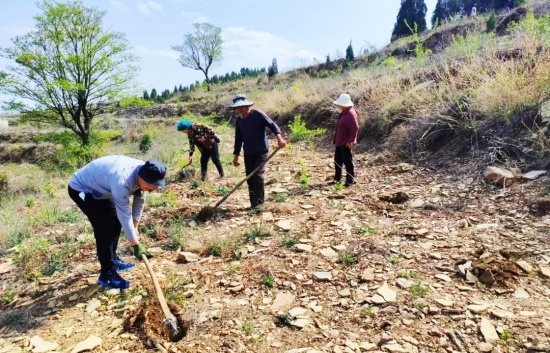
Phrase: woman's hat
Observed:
(153, 172)
(184, 125)
(344, 100)
(240, 100)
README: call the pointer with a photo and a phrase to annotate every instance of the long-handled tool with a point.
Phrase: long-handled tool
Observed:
(208, 211)
(175, 333)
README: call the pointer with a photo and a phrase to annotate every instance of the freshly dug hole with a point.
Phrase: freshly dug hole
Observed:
(147, 322)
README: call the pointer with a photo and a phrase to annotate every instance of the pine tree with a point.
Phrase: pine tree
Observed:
(272, 71)
(349, 53)
(153, 94)
(413, 13)
(145, 95)
(180, 88)
(175, 90)
(327, 62)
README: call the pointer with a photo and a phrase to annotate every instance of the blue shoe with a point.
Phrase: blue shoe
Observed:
(123, 266)
(112, 280)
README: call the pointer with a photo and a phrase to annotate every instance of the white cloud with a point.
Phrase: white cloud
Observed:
(148, 7)
(254, 49)
(194, 17)
(156, 52)
(117, 3)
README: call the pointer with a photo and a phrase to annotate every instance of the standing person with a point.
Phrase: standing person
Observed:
(250, 135)
(345, 138)
(207, 142)
(102, 190)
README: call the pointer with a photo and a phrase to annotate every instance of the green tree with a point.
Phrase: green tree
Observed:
(145, 95)
(201, 49)
(272, 71)
(327, 62)
(67, 66)
(413, 11)
(153, 94)
(350, 57)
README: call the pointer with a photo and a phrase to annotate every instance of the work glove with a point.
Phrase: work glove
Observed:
(139, 250)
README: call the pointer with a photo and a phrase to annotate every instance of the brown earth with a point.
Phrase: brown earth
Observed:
(380, 266)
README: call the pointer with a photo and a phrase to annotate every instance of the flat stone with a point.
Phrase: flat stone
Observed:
(285, 224)
(300, 323)
(444, 302)
(344, 292)
(40, 346)
(488, 331)
(92, 305)
(404, 283)
(502, 314)
(477, 308)
(524, 265)
(282, 301)
(545, 271)
(521, 293)
(328, 252)
(303, 247)
(443, 277)
(485, 347)
(187, 257)
(88, 344)
(387, 293)
(395, 348)
(297, 311)
(322, 276)
(368, 275)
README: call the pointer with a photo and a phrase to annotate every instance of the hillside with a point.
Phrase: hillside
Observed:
(423, 254)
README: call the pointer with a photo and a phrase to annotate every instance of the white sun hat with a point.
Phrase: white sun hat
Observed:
(344, 100)
(240, 100)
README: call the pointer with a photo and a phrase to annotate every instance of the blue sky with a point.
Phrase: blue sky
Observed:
(296, 32)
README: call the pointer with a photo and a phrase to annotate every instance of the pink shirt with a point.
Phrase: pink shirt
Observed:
(346, 128)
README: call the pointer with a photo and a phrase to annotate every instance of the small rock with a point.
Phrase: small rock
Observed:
(294, 312)
(368, 275)
(187, 257)
(524, 265)
(322, 276)
(285, 224)
(488, 331)
(303, 247)
(38, 345)
(545, 271)
(344, 292)
(282, 301)
(485, 347)
(477, 308)
(93, 305)
(87, 345)
(443, 277)
(521, 293)
(387, 293)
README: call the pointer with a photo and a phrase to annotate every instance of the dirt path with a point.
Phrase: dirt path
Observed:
(408, 260)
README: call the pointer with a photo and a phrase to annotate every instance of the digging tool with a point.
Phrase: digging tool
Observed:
(182, 173)
(175, 333)
(208, 211)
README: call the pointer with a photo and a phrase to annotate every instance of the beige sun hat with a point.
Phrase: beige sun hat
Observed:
(240, 100)
(344, 100)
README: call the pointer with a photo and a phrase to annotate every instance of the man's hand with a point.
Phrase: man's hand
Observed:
(236, 161)
(350, 145)
(281, 141)
(190, 159)
(139, 250)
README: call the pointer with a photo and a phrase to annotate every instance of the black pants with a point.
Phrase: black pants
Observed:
(343, 157)
(206, 154)
(107, 227)
(256, 183)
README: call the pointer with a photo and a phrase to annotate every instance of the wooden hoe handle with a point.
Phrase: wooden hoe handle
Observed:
(156, 284)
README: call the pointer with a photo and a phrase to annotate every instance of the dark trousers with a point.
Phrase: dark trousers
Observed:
(343, 157)
(107, 227)
(256, 182)
(213, 153)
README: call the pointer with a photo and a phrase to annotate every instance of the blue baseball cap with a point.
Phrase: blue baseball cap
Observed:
(153, 172)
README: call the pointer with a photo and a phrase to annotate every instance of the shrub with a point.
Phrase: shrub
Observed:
(492, 21)
(146, 143)
(268, 280)
(135, 102)
(300, 132)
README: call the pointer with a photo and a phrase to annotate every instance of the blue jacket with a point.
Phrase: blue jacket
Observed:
(250, 133)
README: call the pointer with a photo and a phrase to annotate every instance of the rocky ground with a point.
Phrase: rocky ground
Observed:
(410, 259)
